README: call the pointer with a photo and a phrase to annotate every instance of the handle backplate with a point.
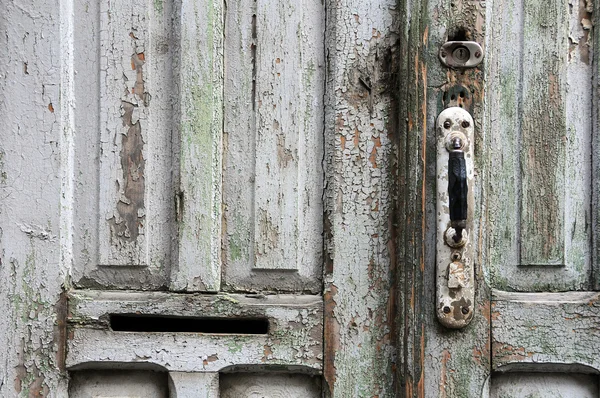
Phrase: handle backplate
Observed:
(454, 260)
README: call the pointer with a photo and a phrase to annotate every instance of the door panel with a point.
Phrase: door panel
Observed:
(536, 152)
(273, 150)
(123, 115)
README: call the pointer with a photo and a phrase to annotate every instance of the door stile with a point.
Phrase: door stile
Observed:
(437, 362)
(360, 165)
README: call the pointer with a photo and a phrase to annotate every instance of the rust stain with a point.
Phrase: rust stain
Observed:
(50, 107)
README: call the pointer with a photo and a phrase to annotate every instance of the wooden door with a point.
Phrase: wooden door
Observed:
(534, 100)
(198, 198)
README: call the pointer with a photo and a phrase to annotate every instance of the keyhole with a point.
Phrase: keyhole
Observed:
(461, 54)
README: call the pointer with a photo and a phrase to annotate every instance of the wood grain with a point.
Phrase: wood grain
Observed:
(124, 213)
(536, 148)
(197, 266)
(361, 122)
(273, 146)
(294, 337)
(531, 330)
(270, 385)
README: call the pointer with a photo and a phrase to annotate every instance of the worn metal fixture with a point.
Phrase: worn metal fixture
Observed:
(461, 54)
(455, 268)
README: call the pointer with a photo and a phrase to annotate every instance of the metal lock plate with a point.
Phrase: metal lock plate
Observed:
(454, 257)
(461, 54)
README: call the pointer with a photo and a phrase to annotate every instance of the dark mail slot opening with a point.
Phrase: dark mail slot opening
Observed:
(158, 323)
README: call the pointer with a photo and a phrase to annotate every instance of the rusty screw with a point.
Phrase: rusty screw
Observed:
(443, 54)
(447, 124)
(446, 310)
(465, 310)
(465, 124)
(456, 256)
(477, 54)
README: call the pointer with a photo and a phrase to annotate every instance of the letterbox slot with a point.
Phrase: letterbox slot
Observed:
(172, 324)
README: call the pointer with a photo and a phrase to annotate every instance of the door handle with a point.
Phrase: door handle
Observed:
(454, 248)
(457, 190)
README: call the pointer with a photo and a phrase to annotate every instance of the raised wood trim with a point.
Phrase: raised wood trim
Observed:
(295, 323)
(532, 331)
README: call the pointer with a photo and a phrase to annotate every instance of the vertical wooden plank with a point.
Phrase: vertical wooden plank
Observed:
(270, 385)
(193, 385)
(273, 145)
(361, 119)
(543, 131)
(123, 100)
(595, 110)
(537, 181)
(434, 361)
(34, 148)
(200, 77)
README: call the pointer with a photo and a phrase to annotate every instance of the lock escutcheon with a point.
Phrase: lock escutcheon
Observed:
(461, 54)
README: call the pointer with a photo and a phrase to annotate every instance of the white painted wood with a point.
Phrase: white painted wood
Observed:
(270, 385)
(193, 385)
(118, 384)
(294, 338)
(34, 144)
(123, 131)
(200, 84)
(360, 155)
(273, 146)
(548, 329)
(537, 140)
(547, 385)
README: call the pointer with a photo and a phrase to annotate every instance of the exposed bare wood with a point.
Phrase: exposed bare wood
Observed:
(546, 328)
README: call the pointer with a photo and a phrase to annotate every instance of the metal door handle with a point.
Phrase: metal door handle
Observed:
(458, 189)
(454, 263)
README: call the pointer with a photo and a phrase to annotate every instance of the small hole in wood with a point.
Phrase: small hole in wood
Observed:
(160, 323)
(462, 94)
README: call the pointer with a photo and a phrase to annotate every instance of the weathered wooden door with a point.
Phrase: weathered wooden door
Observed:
(198, 198)
(534, 101)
